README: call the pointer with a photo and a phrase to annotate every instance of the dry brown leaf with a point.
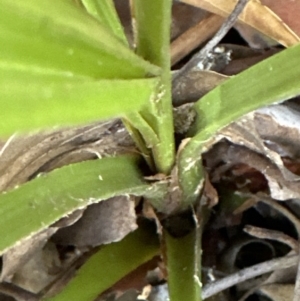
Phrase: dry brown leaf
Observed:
(228, 261)
(283, 276)
(280, 188)
(278, 292)
(247, 132)
(279, 127)
(243, 250)
(256, 15)
(195, 84)
(236, 171)
(259, 141)
(16, 257)
(184, 17)
(40, 270)
(23, 158)
(287, 10)
(211, 194)
(150, 213)
(254, 38)
(101, 223)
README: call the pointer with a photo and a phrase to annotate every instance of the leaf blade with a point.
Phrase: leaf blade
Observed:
(39, 34)
(110, 264)
(153, 21)
(105, 12)
(271, 81)
(44, 200)
(55, 99)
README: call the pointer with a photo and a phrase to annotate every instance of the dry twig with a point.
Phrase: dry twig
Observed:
(248, 273)
(194, 37)
(201, 56)
(17, 293)
(272, 235)
(297, 285)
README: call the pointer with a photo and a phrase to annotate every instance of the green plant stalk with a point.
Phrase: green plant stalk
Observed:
(270, 81)
(184, 266)
(104, 11)
(41, 202)
(145, 129)
(152, 21)
(109, 265)
(139, 142)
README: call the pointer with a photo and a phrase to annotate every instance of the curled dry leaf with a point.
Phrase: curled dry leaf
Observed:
(279, 127)
(287, 10)
(23, 158)
(259, 141)
(235, 253)
(256, 15)
(101, 223)
(245, 167)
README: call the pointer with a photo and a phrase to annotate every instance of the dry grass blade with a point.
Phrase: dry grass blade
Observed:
(256, 15)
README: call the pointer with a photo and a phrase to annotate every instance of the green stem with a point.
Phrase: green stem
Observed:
(183, 264)
(153, 19)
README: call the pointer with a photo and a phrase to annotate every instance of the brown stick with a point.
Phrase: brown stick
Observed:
(272, 235)
(248, 273)
(297, 284)
(202, 55)
(194, 37)
(17, 293)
